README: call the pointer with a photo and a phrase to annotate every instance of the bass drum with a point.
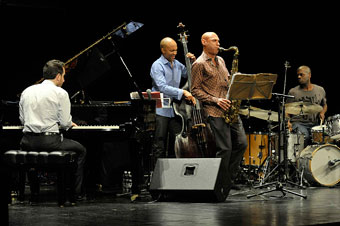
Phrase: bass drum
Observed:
(314, 162)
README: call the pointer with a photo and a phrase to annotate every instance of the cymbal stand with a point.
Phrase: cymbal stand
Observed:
(282, 175)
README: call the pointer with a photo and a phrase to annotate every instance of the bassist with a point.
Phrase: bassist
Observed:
(166, 73)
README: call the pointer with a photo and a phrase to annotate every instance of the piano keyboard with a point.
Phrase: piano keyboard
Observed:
(105, 128)
(113, 127)
(12, 127)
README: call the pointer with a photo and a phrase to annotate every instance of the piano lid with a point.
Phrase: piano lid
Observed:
(90, 66)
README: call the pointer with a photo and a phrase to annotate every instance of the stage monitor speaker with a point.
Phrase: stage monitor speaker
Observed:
(189, 179)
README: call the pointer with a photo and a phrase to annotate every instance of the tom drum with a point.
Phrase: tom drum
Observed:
(333, 124)
(257, 150)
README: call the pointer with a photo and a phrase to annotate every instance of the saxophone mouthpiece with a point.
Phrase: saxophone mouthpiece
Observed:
(221, 49)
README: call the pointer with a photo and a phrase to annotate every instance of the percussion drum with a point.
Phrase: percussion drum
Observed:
(333, 124)
(295, 144)
(258, 149)
(320, 134)
(315, 161)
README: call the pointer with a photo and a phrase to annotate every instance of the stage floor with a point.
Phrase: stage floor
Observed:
(322, 206)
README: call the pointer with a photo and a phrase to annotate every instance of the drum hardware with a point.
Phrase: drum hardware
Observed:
(266, 164)
(281, 166)
(302, 179)
(332, 162)
(278, 187)
(295, 144)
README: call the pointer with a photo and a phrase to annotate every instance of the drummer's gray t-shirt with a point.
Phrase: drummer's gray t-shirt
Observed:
(316, 96)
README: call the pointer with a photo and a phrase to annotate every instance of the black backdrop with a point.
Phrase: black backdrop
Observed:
(267, 35)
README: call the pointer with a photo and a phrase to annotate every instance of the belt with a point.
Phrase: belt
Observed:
(42, 134)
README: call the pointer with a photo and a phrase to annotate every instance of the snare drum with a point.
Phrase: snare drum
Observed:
(333, 124)
(320, 134)
(314, 161)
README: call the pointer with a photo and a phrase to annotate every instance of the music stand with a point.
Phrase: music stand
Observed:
(251, 87)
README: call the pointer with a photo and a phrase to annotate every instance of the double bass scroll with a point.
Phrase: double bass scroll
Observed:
(195, 139)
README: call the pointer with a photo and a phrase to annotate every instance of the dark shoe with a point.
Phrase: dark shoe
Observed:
(34, 201)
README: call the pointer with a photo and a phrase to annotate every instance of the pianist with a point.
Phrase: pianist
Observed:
(43, 109)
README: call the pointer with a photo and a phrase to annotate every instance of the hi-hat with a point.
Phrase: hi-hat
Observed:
(302, 108)
(260, 113)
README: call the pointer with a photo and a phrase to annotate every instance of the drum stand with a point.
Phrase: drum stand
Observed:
(282, 166)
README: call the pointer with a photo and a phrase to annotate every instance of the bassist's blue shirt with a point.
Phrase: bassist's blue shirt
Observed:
(166, 79)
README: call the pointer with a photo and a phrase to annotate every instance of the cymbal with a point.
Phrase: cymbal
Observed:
(302, 108)
(260, 113)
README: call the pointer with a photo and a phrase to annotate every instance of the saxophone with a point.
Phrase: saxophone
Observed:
(231, 115)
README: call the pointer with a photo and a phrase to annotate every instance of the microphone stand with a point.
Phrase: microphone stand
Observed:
(281, 180)
(139, 131)
(115, 49)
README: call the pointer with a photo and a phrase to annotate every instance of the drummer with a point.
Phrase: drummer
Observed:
(313, 95)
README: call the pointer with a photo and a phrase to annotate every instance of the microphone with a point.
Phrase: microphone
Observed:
(282, 95)
(149, 93)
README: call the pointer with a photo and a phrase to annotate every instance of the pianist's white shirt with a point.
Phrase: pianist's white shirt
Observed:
(44, 108)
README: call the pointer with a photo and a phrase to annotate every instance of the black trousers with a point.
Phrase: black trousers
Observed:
(166, 126)
(52, 143)
(231, 143)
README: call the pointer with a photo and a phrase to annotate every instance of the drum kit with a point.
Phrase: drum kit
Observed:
(314, 164)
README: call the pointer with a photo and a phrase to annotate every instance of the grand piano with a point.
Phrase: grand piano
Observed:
(117, 134)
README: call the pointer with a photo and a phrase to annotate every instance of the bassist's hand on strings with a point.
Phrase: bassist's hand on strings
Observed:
(191, 57)
(223, 103)
(189, 97)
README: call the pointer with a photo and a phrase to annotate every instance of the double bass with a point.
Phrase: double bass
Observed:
(195, 139)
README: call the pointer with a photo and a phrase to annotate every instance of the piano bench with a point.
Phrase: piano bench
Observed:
(62, 162)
